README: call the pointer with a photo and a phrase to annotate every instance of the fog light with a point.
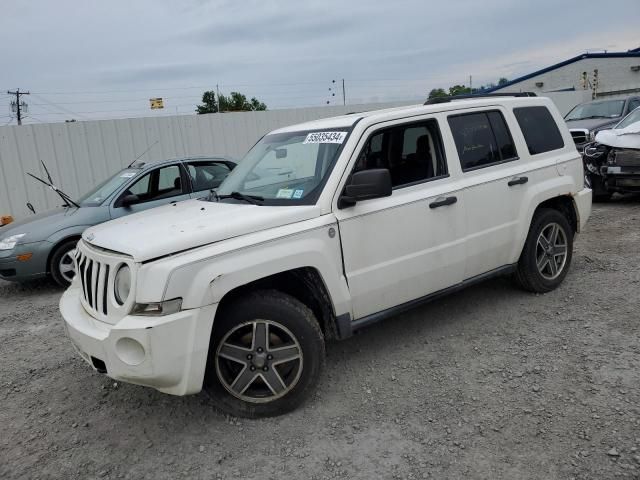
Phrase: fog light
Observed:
(25, 257)
(130, 351)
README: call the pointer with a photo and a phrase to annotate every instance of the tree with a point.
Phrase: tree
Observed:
(502, 81)
(437, 92)
(459, 90)
(234, 102)
(210, 105)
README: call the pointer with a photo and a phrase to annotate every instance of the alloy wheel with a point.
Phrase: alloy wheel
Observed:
(551, 251)
(259, 361)
(67, 266)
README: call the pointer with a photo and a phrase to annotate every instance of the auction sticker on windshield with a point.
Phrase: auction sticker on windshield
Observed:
(325, 137)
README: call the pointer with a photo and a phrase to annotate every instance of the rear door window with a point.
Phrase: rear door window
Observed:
(539, 129)
(482, 139)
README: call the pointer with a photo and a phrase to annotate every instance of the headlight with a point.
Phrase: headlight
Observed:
(158, 308)
(10, 242)
(592, 135)
(122, 284)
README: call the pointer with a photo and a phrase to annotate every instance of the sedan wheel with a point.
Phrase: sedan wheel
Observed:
(67, 266)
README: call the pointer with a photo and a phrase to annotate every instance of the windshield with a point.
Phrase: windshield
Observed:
(607, 109)
(633, 117)
(287, 168)
(98, 195)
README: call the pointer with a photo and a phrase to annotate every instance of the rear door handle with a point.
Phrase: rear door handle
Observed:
(441, 202)
(518, 181)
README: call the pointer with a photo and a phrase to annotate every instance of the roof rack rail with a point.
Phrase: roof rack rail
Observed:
(448, 98)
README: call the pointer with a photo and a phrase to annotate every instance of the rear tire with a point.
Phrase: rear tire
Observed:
(61, 265)
(547, 252)
(265, 357)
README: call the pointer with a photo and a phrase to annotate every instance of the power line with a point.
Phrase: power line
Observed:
(59, 106)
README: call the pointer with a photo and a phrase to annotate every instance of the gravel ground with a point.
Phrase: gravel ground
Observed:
(491, 382)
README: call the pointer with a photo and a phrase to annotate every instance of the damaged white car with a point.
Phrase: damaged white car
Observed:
(323, 229)
(612, 162)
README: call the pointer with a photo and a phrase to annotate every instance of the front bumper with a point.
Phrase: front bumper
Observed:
(622, 179)
(167, 353)
(13, 270)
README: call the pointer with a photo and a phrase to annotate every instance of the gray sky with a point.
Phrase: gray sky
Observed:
(89, 59)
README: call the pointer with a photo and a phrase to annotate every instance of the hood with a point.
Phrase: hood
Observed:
(190, 224)
(41, 226)
(628, 137)
(592, 123)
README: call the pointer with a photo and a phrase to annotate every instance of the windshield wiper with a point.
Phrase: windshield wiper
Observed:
(253, 199)
(66, 198)
(590, 117)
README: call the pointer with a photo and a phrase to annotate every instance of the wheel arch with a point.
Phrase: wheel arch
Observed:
(565, 205)
(303, 283)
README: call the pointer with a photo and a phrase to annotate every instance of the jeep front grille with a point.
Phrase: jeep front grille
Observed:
(94, 279)
(95, 271)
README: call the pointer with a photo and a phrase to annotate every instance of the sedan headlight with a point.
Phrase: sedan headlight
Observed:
(122, 284)
(10, 242)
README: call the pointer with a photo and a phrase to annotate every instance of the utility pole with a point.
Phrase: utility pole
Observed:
(344, 95)
(17, 106)
(218, 97)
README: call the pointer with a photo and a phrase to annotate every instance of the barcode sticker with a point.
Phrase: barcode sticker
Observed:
(325, 137)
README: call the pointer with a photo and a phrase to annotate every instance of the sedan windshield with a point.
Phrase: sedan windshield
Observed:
(285, 168)
(606, 109)
(633, 117)
(99, 194)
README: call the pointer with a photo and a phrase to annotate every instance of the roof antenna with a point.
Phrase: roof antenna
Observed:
(136, 159)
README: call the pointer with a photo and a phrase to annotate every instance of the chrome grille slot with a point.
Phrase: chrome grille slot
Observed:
(105, 284)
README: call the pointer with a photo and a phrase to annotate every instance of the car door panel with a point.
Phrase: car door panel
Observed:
(398, 249)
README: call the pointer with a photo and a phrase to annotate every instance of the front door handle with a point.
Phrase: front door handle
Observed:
(518, 181)
(441, 202)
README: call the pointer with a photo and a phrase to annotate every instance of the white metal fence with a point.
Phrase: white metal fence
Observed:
(79, 155)
(82, 154)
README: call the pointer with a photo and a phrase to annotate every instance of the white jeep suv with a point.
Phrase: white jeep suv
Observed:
(324, 228)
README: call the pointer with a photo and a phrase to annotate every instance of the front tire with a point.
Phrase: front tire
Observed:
(600, 192)
(266, 355)
(62, 266)
(547, 252)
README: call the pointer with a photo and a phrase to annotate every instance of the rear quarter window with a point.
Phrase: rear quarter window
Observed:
(539, 129)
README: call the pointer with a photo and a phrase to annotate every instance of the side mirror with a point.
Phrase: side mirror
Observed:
(129, 200)
(365, 185)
